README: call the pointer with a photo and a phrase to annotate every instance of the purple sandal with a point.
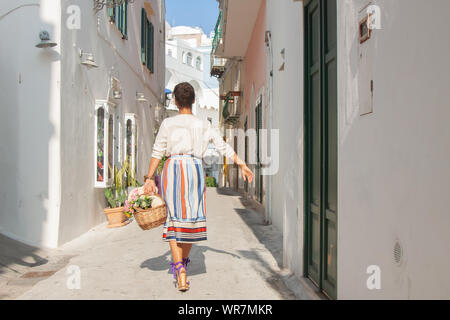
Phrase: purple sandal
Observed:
(186, 262)
(176, 273)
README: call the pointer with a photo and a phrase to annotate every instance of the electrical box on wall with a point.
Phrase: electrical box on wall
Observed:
(366, 50)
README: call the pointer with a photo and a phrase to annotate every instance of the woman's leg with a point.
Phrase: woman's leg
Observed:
(177, 256)
(186, 248)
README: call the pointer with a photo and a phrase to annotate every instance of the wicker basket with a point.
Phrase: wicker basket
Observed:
(152, 217)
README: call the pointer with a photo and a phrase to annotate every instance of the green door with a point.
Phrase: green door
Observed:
(258, 168)
(321, 144)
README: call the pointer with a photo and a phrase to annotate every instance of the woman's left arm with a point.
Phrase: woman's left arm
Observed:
(150, 185)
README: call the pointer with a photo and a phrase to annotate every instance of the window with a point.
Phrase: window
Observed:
(147, 41)
(119, 15)
(104, 141)
(131, 142)
(189, 59)
(198, 63)
(170, 52)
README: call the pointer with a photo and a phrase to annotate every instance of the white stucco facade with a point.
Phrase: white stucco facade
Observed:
(393, 168)
(392, 162)
(285, 95)
(394, 173)
(49, 167)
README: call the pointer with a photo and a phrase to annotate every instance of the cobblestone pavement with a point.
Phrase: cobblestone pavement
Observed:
(240, 260)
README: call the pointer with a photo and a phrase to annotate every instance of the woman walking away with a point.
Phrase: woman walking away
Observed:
(184, 139)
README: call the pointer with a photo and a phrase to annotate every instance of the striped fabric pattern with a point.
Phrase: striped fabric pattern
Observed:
(183, 189)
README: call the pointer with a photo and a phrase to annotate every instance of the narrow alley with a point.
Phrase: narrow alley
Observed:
(240, 260)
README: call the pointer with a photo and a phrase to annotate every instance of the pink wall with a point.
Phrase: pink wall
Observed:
(255, 64)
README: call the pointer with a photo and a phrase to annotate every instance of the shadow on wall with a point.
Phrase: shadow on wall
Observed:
(27, 127)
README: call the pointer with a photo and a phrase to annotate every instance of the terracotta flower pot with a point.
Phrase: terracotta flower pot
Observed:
(116, 217)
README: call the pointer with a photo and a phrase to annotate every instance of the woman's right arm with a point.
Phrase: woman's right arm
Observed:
(226, 150)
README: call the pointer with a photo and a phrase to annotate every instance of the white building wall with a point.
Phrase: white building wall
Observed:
(394, 173)
(30, 166)
(287, 97)
(82, 204)
(47, 123)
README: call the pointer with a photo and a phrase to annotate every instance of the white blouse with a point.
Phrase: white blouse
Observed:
(186, 134)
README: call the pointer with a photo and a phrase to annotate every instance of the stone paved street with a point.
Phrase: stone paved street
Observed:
(240, 260)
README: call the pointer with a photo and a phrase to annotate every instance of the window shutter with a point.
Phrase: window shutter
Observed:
(152, 46)
(258, 129)
(143, 36)
(149, 35)
(125, 27)
(119, 18)
(111, 13)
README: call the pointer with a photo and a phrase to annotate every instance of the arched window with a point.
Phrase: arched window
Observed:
(189, 59)
(104, 144)
(110, 146)
(198, 63)
(100, 145)
(131, 144)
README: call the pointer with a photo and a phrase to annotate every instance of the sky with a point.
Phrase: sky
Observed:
(193, 13)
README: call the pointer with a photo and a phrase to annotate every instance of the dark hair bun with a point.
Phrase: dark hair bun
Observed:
(185, 94)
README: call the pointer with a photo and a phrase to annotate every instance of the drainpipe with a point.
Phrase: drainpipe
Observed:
(269, 51)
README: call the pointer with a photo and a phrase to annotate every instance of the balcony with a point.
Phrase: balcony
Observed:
(217, 63)
(218, 33)
(234, 27)
(230, 112)
(217, 66)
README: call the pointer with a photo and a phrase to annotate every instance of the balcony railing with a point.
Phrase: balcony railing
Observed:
(217, 66)
(218, 32)
(230, 110)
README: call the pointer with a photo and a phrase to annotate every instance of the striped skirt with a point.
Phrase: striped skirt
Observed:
(183, 189)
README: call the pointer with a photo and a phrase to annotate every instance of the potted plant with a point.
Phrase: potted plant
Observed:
(211, 182)
(116, 196)
(129, 177)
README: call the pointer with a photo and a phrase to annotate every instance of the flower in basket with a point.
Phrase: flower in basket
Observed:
(137, 200)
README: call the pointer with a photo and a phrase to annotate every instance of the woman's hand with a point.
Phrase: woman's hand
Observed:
(150, 187)
(247, 174)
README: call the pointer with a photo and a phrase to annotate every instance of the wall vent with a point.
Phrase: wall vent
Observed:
(398, 253)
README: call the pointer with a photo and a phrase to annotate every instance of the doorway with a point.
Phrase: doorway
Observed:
(321, 144)
(258, 167)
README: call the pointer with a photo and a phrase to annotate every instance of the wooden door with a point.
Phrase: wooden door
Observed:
(321, 144)
(258, 169)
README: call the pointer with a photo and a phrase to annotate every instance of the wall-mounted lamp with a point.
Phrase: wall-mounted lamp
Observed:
(89, 59)
(99, 4)
(45, 40)
(140, 97)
